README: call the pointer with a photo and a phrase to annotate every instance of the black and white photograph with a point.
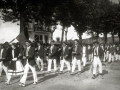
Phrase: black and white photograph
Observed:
(59, 44)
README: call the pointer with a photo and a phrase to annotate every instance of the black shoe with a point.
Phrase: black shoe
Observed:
(93, 77)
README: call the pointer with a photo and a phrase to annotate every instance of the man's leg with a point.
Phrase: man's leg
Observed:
(1, 67)
(62, 65)
(38, 62)
(34, 74)
(95, 66)
(6, 71)
(42, 64)
(74, 64)
(68, 64)
(49, 64)
(26, 69)
(79, 65)
(55, 64)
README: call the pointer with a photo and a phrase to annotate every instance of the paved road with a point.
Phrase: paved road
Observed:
(83, 81)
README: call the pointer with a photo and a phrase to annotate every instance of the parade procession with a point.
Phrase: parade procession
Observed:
(17, 60)
(60, 44)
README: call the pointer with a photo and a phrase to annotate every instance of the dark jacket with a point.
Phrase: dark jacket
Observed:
(53, 55)
(31, 56)
(65, 54)
(78, 52)
(100, 52)
(5, 56)
(40, 52)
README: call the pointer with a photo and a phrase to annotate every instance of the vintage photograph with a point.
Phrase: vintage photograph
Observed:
(59, 44)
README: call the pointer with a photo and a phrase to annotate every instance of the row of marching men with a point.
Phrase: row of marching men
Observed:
(15, 60)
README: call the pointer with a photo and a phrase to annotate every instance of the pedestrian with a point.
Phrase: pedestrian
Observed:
(40, 55)
(65, 54)
(30, 64)
(77, 50)
(96, 60)
(15, 67)
(52, 57)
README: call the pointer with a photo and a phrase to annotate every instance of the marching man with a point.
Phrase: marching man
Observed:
(52, 57)
(97, 55)
(65, 57)
(76, 57)
(40, 55)
(30, 63)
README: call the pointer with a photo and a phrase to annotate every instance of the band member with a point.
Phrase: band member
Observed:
(84, 54)
(40, 55)
(77, 50)
(30, 63)
(4, 58)
(96, 60)
(52, 57)
(65, 57)
(15, 67)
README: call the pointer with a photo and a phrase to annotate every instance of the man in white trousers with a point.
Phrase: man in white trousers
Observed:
(40, 55)
(97, 55)
(30, 64)
(52, 57)
(65, 57)
(77, 50)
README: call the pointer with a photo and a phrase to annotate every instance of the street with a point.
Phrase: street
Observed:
(65, 81)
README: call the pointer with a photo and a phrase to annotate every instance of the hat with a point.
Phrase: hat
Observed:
(14, 44)
(28, 41)
(6, 44)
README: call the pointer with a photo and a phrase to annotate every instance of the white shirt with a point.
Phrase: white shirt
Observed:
(13, 53)
(96, 51)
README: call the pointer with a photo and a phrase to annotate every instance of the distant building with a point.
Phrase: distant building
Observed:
(38, 32)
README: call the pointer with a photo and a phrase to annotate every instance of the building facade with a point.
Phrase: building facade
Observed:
(38, 32)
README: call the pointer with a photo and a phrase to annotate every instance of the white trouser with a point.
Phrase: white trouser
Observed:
(107, 55)
(27, 66)
(65, 62)
(90, 57)
(74, 62)
(97, 62)
(5, 68)
(1, 67)
(38, 61)
(50, 64)
(111, 58)
(84, 60)
(117, 57)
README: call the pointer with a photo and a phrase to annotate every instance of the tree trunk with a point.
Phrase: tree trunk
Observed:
(62, 34)
(66, 35)
(105, 37)
(21, 21)
(113, 38)
(80, 39)
(119, 36)
(97, 36)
